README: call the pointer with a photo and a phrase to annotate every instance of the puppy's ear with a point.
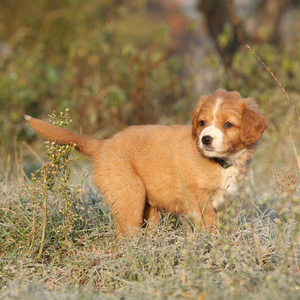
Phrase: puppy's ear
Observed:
(253, 123)
(196, 114)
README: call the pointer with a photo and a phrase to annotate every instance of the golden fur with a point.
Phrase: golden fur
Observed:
(144, 170)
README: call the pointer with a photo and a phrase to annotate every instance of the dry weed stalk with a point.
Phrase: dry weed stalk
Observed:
(291, 102)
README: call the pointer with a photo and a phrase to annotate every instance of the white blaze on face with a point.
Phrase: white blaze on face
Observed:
(213, 132)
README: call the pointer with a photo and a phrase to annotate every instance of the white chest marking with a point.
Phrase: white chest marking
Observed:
(229, 185)
(229, 180)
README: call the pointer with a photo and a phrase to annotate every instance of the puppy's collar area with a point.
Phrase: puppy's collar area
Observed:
(222, 162)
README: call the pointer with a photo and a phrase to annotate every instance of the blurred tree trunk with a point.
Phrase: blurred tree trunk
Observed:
(269, 15)
(220, 17)
(227, 29)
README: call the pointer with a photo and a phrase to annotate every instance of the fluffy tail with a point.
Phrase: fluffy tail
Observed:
(85, 145)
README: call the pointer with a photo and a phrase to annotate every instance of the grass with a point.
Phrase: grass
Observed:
(58, 241)
(245, 260)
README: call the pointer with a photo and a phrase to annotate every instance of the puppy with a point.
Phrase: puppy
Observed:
(144, 170)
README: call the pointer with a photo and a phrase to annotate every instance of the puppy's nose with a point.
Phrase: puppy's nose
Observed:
(207, 140)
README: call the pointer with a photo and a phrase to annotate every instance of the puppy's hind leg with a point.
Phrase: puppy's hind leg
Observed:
(128, 200)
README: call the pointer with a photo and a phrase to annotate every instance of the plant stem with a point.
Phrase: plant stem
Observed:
(44, 212)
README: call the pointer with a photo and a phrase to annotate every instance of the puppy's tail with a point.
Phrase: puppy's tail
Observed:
(87, 146)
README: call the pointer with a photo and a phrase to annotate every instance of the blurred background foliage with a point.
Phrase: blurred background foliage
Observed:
(102, 59)
(116, 63)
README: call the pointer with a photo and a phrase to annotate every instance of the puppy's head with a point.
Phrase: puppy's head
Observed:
(225, 123)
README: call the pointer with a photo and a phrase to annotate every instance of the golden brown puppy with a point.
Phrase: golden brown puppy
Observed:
(144, 170)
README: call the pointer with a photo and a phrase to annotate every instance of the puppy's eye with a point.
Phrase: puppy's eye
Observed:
(202, 123)
(227, 125)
